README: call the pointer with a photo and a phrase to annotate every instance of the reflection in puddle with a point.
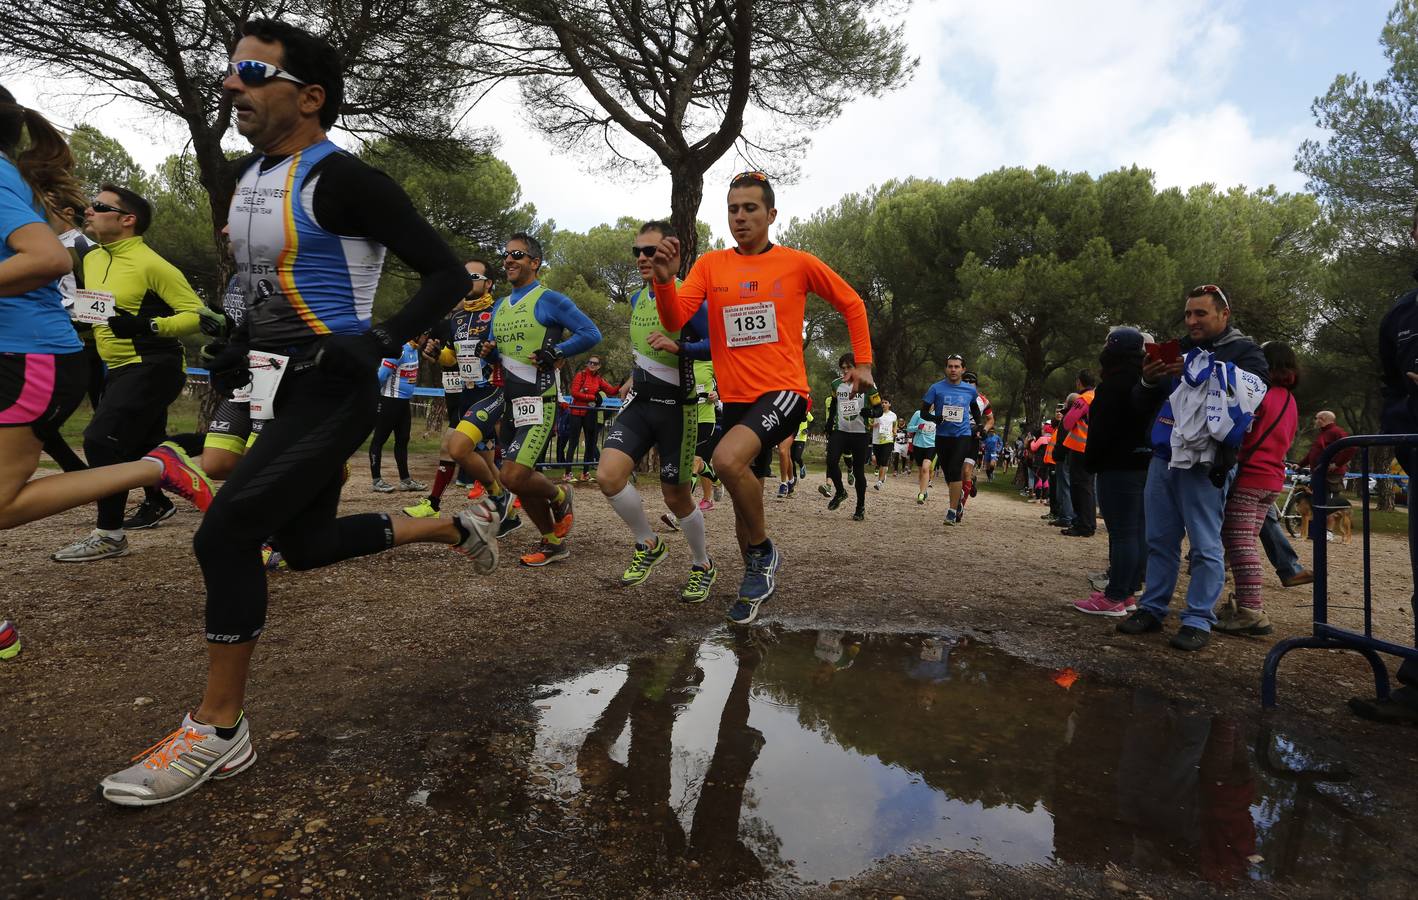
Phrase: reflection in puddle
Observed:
(817, 753)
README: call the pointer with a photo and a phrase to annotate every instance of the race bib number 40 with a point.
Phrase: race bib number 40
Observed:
(750, 323)
(93, 307)
(527, 411)
(469, 363)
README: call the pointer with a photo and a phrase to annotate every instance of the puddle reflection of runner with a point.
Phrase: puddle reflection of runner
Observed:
(655, 690)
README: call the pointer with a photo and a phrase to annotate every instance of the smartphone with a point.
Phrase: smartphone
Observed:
(1169, 352)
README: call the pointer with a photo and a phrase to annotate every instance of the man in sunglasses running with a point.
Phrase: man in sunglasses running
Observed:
(757, 294)
(529, 340)
(310, 225)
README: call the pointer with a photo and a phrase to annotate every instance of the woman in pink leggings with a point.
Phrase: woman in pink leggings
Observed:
(1260, 475)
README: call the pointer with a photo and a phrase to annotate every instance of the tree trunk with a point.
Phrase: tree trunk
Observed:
(215, 176)
(1032, 410)
(686, 191)
(1379, 460)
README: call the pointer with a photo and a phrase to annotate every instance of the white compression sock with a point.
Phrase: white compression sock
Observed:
(693, 527)
(627, 505)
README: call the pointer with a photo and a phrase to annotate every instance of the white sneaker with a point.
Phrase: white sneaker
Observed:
(382, 487)
(179, 764)
(96, 546)
(409, 484)
(481, 521)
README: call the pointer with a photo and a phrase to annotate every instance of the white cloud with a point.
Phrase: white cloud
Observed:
(1079, 86)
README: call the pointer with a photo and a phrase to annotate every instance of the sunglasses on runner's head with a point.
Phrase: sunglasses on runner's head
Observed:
(476, 277)
(756, 176)
(104, 207)
(255, 73)
(647, 251)
(1215, 291)
(956, 357)
(516, 254)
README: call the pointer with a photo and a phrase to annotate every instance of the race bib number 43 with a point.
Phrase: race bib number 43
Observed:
(93, 307)
(750, 323)
(527, 411)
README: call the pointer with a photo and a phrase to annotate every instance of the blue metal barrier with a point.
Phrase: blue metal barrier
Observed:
(1332, 637)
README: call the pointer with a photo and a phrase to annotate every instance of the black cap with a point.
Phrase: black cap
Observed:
(1123, 341)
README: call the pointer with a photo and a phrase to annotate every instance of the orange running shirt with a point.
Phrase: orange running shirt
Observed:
(756, 308)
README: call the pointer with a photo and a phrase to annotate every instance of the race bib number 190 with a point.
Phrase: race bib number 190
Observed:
(527, 411)
(750, 323)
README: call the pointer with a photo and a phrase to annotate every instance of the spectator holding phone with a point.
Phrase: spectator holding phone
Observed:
(1187, 500)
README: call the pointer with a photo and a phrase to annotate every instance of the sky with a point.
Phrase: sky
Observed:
(1198, 91)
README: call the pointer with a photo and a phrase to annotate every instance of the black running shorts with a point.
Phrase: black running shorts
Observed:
(232, 429)
(772, 417)
(951, 453)
(482, 409)
(921, 455)
(41, 390)
(665, 424)
(882, 452)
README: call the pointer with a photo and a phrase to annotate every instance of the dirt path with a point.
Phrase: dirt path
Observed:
(375, 672)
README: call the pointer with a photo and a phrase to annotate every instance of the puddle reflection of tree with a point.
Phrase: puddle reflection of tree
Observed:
(655, 690)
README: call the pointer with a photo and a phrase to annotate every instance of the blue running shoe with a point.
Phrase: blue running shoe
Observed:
(759, 581)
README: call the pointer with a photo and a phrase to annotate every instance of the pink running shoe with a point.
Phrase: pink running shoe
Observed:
(706, 504)
(1130, 604)
(181, 476)
(1099, 605)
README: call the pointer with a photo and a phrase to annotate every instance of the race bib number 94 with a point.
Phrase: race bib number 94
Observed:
(527, 411)
(954, 414)
(750, 323)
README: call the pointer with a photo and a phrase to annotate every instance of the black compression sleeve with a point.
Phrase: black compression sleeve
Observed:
(357, 200)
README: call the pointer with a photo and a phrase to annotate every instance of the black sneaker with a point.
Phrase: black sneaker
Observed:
(1189, 637)
(1073, 531)
(148, 515)
(837, 500)
(1061, 523)
(1140, 622)
(509, 525)
(860, 515)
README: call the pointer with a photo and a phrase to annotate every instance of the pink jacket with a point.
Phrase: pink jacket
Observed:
(1262, 463)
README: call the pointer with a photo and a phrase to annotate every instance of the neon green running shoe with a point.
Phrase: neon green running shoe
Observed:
(642, 562)
(701, 579)
(422, 510)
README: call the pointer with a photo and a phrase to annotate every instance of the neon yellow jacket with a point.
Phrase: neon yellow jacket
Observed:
(143, 284)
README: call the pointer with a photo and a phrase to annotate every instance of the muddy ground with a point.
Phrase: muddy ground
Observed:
(376, 672)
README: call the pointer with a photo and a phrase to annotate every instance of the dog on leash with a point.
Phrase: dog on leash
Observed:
(1340, 521)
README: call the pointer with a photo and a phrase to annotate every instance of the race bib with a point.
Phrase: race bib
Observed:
(93, 307)
(470, 365)
(927, 428)
(851, 407)
(452, 381)
(527, 411)
(267, 369)
(750, 323)
(955, 414)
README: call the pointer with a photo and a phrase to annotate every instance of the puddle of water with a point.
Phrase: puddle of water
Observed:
(817, 753)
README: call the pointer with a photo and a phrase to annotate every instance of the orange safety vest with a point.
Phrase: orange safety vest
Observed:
(1078, 438)
(1049, 447)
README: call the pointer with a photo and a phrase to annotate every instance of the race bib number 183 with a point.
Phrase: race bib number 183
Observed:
(750, 323)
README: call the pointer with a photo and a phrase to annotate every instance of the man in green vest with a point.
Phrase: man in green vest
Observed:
(527, 341)
(662, 412)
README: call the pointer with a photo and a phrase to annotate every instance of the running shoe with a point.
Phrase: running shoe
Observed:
(546, 554)
(272, 559)
(718, 492)
(181, 476)
(877, 486)
(1098, 580)
(642, 561)
(475, 491)
(851, 478)
(562, 515)
(825, 490)
(860, 515)
(837, 500)
(9, 640)
(670, 521)
(409, 484)
(706, 504)
(422, 510)
(1097, 604)
(508, 526)
(802, 471)
(701, 579)
(481, 522)
(382, 487)
(782, 489)
(96, 546)
(503, 502)
(178, 764)
(951, 517)
(792, 487)
(970, 488)
(148, 514)
(759, 581)
(920, 498)
(960, 515)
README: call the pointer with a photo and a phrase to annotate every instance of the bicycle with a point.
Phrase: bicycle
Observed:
(1295, 479)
